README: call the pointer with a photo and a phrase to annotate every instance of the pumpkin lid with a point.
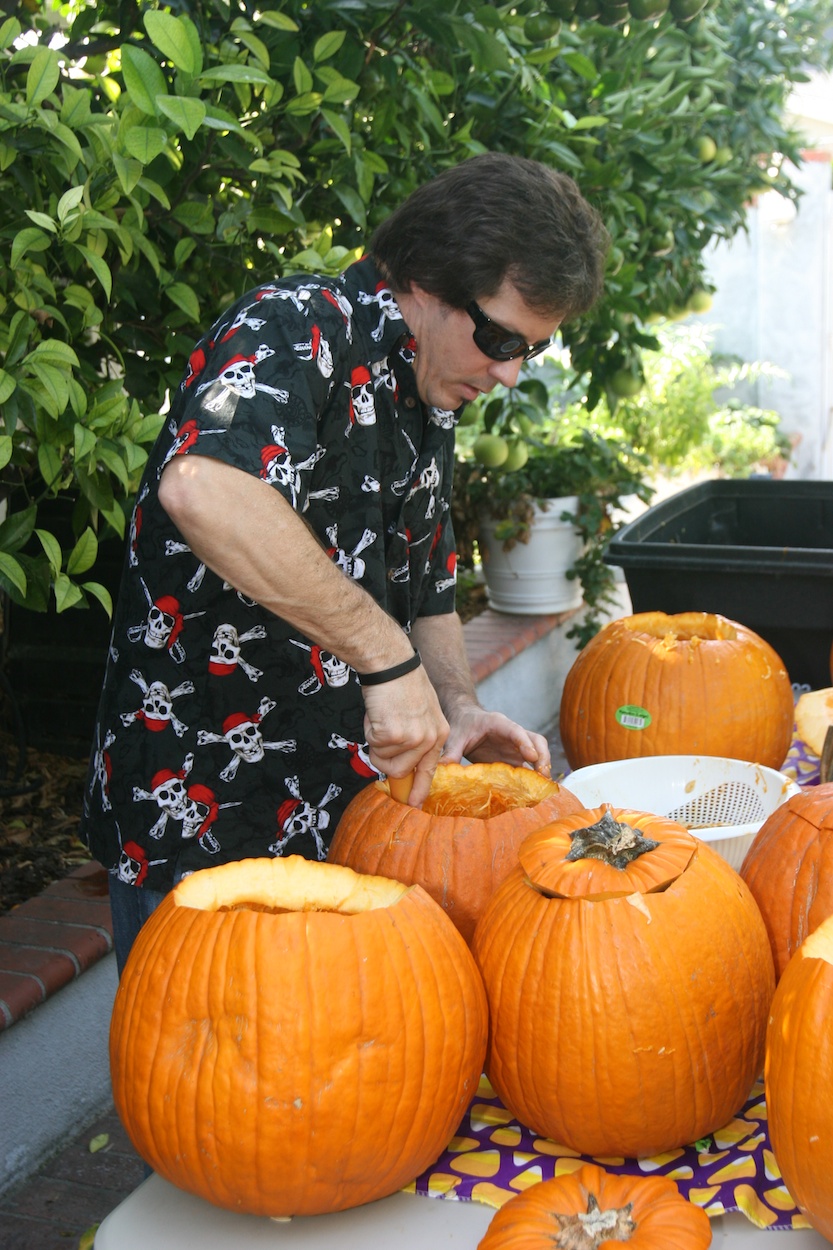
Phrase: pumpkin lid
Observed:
(606, 852)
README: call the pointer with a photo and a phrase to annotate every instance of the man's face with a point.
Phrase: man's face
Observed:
(450, 369)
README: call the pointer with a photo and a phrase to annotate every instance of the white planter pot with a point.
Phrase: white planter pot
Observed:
(531, 578)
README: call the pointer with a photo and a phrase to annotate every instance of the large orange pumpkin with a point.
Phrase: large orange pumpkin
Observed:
(629, 977)
(799, 1077)
(461, 843)
(690, 684)
(591, 1207)
(294, 1038)
(789, 869)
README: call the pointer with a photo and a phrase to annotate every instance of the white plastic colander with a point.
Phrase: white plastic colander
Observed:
(722, 801)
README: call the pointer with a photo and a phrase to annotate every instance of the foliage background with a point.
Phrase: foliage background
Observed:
(157, 161)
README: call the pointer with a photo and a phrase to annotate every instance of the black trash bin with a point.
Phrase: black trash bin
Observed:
(758, 551)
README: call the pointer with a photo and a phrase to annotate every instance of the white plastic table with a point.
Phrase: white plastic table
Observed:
(158, 1216)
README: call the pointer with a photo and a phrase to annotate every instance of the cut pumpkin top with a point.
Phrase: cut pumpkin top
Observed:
(606, 852)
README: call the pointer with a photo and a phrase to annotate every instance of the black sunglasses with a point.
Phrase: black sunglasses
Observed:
(498, 343)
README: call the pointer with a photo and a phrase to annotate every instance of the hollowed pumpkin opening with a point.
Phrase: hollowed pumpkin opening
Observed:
(682, 627)
(484, 791)
(291, 884)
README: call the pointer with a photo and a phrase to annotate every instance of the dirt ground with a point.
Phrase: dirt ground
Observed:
(39, 814)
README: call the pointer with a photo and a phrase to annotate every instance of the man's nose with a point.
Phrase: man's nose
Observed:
(506, 371)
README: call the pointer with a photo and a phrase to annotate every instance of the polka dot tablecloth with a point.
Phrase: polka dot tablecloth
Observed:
(493, 1157)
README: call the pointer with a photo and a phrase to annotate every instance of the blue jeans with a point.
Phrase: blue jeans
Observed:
(130, 907)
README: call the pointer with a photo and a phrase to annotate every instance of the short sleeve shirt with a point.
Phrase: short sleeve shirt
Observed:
(223, 732)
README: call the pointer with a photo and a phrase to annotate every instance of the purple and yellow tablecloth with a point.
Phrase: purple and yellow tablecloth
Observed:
(493, 1157)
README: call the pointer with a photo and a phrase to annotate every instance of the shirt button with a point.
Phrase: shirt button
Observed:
(410, 402)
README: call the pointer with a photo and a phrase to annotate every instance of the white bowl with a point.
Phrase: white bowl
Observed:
(722, 801)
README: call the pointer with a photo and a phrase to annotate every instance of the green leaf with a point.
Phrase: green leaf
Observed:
(353, 202)
(185, 112)
(42, 77)
(110, 457)
(170, 35)
(102, 594)
(279, 21)
(84, 441)
(67, 594)
(337, 123)
(128, 172)
(42, 220)
(256, 46)
(17, 529)
(301, 77)
(69, 201)
(54, 352)
(10, 31)
(581, 65)
(145, 143)
(328, 45)
(99, 267)
(52, 548)
(234, 73)
(143, 78)
(31, 239)
(10, 568)
(184, 298)
(83, 555)
(6, 448)
(7, 385)
(54, 382)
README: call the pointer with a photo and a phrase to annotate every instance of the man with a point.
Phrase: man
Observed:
(285, 629)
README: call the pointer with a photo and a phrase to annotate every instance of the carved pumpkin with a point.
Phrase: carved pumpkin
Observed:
(461, 843)
(798, 1077)
(593, 1208)
(293, 1038)
(690, 684)
(789, 869)
(629, 977)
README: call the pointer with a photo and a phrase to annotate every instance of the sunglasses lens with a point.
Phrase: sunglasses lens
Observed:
(492, 341)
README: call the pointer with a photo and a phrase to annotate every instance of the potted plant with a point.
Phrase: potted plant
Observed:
(525, 490)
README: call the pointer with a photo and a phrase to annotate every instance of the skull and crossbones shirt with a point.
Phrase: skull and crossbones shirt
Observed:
(223, 732)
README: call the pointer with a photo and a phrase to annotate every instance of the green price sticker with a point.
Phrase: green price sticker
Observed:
(630, 717)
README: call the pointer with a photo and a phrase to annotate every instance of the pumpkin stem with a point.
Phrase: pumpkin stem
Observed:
(613, 842)
(587, 1231)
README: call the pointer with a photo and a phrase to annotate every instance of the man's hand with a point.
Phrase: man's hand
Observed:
(485, 737)
(405, 730)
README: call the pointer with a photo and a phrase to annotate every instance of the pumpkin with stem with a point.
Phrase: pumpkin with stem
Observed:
(290, 1037)
(591, 1209)
(789, 869)
(687, 684)
(629, 977)
(461, 843)
(798, 1077)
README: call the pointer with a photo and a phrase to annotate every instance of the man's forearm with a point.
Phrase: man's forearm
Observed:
(248, 534)
(440, 642)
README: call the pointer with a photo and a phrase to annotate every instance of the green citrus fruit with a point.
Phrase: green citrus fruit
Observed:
(540, 27)
(700, 301)
(685, 10)
(647, 10)
(613, 14)
(562, 8)
(518, 456)
(706, 148)
(490, 450)
(625, 384)
(723, 155)
(661, 244)
(589, 10)
(469, 415)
